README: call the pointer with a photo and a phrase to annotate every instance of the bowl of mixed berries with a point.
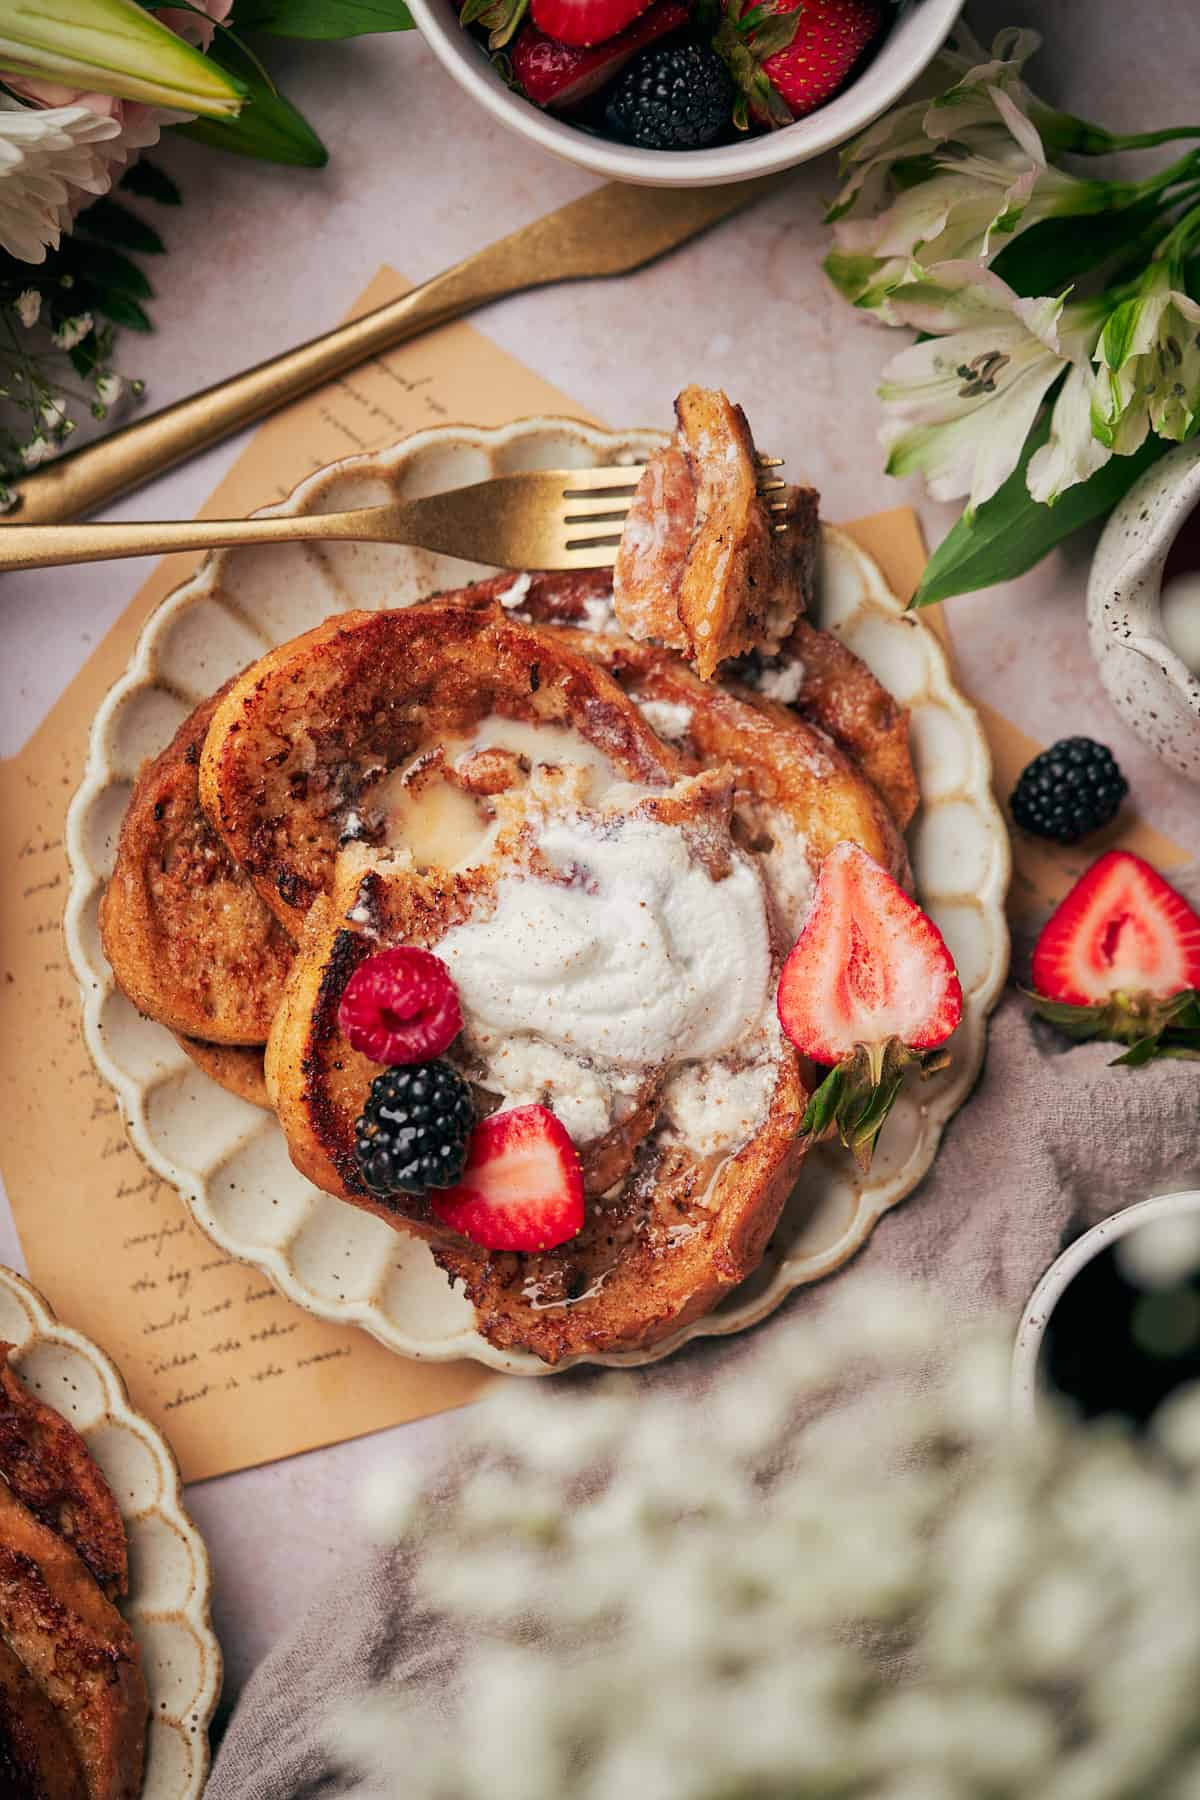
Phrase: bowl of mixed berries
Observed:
(686, 93)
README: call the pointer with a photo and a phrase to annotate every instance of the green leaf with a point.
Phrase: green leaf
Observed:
(122, 309)
(83, 357)
(1011, 532)
(323, 18)
(1053, 254)
(269, 127)
(113, 47)
(821, 1112)
(150, 182)
(108, 270)
(1152, 1027)
(113, 223)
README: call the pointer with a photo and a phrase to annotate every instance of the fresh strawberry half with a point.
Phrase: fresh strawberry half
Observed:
(560, 75)
(584, 22)
(869, 988)
(1120, 959)
(787, 57)
(522, 1186)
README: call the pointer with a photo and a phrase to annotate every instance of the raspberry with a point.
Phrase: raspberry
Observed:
(401, 1006)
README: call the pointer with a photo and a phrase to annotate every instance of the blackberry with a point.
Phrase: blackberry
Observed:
(414, 1129)
(672, 97)
(1071, 789)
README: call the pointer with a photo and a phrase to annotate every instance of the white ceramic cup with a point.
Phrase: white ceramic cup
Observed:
(1148, 682)
(1028, 1387)
(914, 39)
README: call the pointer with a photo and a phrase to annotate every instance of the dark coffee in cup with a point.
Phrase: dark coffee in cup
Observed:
(1125, 1333)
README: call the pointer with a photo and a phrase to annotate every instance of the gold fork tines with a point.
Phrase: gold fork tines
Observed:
(600, 499)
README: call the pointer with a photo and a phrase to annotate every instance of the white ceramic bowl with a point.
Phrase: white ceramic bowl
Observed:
(1027, 1384)
(914, 39)
(1149, 684)
(228, 1159)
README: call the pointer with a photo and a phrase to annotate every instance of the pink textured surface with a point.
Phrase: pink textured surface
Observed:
(263, 257)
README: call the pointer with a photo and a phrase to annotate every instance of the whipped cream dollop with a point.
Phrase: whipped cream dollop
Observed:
(713, 1106)
(635, 955)
(667, 719)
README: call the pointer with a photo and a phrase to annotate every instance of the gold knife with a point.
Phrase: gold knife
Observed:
(610, 231)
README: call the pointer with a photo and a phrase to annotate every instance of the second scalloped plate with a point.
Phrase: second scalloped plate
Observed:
(228, 1159)
(169, 1580)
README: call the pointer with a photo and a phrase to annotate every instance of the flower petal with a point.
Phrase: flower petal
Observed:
(1072, 453)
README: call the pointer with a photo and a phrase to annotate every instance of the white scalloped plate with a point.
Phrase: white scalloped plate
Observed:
(169, 1580)
(228, 1159)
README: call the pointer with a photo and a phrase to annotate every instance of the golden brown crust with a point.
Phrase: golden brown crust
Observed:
(840, 695)
(780, 759)
(37, 1760)
(238, 1068)
(700, 568)
(50, 1469)
(189, 941)
(301, 739)
(77, 1648)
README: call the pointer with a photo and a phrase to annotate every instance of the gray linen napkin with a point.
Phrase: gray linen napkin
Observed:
(1052, 1140)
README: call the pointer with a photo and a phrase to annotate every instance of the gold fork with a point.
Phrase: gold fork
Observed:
(540, 519)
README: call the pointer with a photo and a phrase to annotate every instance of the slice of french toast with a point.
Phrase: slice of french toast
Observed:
(670, 1225)
(704, 566)
(238, 1068)
(77, 1648)
(51, 1471)
(37, 1759)
(300, 747)
(829, 685)
(190, 942)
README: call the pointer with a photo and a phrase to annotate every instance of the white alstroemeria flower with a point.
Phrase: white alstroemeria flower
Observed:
(1072, 452)
(977, 195)
(912, 130)
(1149, 363)
(48, 162)
(962, 404)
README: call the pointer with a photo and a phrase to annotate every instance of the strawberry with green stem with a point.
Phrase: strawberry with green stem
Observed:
(1120, 959)
(787, 57)
(869, 990)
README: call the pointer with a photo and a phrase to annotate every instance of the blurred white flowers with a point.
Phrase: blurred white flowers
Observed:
(1090, 339)
(784, 1592)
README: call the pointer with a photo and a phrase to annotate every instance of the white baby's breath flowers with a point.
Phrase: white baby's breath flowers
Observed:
(28, 307)
(73, 331)
(842, 1574)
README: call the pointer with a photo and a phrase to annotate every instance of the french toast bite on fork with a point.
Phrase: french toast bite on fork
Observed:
(706, 565)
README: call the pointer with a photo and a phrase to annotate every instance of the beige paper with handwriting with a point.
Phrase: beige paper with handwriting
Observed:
(231, 1372)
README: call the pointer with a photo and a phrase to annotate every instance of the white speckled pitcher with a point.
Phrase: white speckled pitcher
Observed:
(1151, 687)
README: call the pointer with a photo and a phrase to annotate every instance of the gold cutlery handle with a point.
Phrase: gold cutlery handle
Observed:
(86, 479)
(48, 546)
